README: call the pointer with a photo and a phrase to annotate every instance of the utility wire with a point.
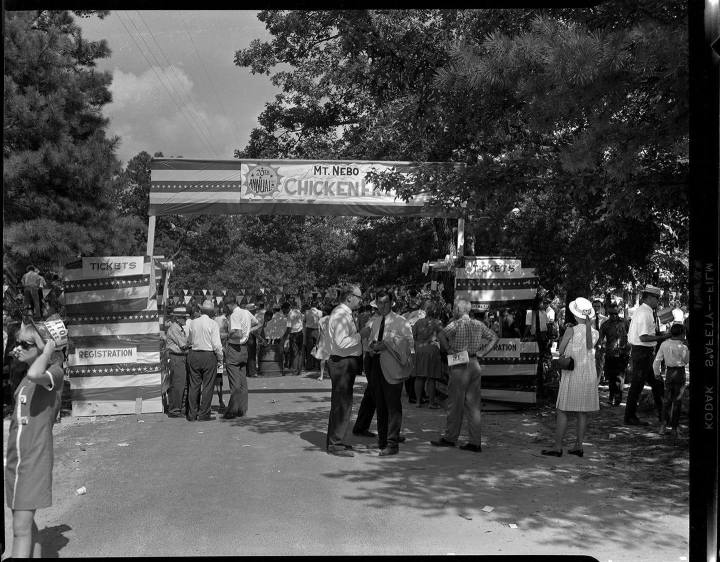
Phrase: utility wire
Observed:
(164, 85)
(191, 102)
(210, 81)
(185, 104)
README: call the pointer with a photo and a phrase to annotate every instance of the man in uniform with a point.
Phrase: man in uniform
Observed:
(176, 343)
(644, 332)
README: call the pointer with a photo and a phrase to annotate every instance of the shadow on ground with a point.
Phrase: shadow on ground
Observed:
(52, 540)
(628, 477)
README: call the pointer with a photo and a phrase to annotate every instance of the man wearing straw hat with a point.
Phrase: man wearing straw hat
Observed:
(203, 358)
(177, 346)
(643, 334)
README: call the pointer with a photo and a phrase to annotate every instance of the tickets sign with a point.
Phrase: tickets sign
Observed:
(93, 268)
(105, 356)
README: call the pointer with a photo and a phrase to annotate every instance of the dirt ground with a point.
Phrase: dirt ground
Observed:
(262, 485)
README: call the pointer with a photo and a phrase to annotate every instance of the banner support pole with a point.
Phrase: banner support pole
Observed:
(461, 238)
(151, 236)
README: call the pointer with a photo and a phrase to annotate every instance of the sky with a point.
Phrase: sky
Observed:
(175, 87)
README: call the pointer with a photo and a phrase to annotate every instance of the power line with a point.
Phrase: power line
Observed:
(164, 85)
(191, 102)
(212, 84)
(187, 103)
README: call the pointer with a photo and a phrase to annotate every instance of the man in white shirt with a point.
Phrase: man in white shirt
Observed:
(312, 320)
(344, 364)
(202, 361)
(253, 342)
(643, 334)
(294, 318)
(240, 324)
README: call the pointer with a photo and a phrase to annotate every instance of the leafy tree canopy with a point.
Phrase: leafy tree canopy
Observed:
(574, 118)
(58, 163)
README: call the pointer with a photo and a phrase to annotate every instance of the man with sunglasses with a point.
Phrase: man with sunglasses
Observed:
(344, 365)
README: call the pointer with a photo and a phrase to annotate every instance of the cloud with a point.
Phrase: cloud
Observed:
(159, 111)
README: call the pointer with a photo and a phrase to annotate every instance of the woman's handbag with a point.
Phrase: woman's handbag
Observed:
(564, 363)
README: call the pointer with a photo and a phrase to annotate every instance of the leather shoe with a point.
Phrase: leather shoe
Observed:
(341, 452)
(387, 451)
(471, 447)
(364, 433)
(207, 418)
(442, 442)
(188, 418)
(175, 415)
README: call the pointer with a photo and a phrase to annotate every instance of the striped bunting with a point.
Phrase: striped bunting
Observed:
(107, 313)
(113, 370)
(289, 187)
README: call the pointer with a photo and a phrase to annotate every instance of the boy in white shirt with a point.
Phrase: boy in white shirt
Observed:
(674, 352)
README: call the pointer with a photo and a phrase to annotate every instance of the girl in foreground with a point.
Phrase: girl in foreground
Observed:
(28, 472)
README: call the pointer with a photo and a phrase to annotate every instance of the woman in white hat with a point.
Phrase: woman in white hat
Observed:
(578, 391)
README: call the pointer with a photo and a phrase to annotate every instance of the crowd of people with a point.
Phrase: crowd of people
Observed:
(419, 345)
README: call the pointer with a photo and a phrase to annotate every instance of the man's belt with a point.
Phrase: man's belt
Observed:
(339, 357)
(176, 353)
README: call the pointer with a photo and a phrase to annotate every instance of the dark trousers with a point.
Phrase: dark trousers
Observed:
(236, 360)
(202, 369)
(31, 298)
(178, 381)
(343, 371)
(294, 359)
(367, 405)
(614, 369)
(252, 356)
(642, 372)
(389, 409)
(311, 338)
(674, 380)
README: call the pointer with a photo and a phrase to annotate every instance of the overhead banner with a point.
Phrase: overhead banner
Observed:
(181, 186)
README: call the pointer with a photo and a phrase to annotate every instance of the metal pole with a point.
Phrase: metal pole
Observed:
(151, 236)
(461, 238)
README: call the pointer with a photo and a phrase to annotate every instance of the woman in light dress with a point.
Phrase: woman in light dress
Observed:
(321, 351)
(578, 390)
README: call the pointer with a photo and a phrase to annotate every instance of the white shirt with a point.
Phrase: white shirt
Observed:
(344, 337)
(204, 335)
(312, 318)
(642, 323)
(240, 319)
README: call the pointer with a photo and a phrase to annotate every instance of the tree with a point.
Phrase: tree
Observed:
(58, 163)
(585, 110)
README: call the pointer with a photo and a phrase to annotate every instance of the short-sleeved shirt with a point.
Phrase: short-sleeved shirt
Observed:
(467, 334)
(312, 318)
(240, 319)
(615, 334)
(642, 323)
(222, 323)
(424, 330)
(28, 470)
(294, 320)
